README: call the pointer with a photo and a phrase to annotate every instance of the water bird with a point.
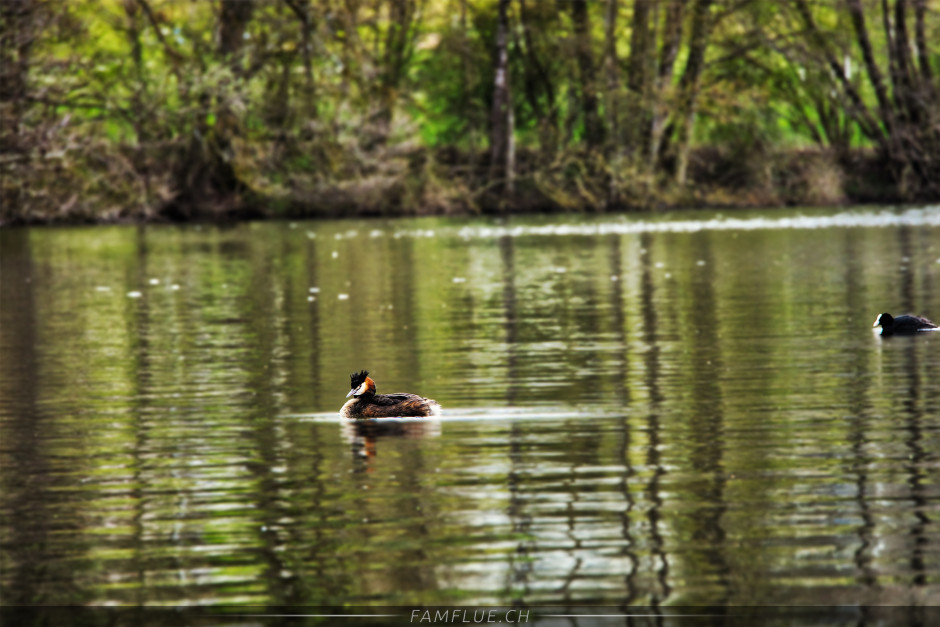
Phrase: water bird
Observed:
(901, 325)
(367, 404)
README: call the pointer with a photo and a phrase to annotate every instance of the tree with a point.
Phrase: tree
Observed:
(234, 16)
(502, 141)
(16, 41)
(689, 84)
(305, 15)
(904, 120)
(539, 76)
(398, 43)
(638, 78)
(669, 49)
(593, 130)
(612, 73)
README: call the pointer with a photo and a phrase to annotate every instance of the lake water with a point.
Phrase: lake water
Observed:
(680, 410)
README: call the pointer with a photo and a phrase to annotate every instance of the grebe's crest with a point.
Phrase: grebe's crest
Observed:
(360, 383)
(358, 378)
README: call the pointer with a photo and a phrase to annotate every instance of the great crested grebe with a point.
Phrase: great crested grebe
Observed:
(903, 324)
(367, 404)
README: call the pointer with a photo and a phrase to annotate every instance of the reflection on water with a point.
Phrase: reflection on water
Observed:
(636, 412)
(363, 435)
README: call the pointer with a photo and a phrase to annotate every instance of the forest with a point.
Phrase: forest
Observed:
(143, 110)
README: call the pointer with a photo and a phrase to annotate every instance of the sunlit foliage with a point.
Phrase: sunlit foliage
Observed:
(174, 109)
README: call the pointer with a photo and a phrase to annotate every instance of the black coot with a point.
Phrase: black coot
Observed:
(902, 324)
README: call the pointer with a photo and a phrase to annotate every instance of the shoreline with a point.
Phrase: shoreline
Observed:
(245, 215)
(441, 183)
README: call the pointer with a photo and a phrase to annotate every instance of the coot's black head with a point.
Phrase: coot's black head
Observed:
(360, 384)
(885, 321)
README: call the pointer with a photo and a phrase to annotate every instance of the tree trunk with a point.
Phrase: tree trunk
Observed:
(16, 40)
(538, 82)
(671, 38)
(612, 71)
(139, 98)
(502, 144)
(593, 131)
(131, 9)
(302, 10)
(910, 103)
(234, 16)
(857, 109)
(920, 38)
(689, 84)
(906, 126)
(638, 116)
(871, 66)
(918, 138)
(396, 54)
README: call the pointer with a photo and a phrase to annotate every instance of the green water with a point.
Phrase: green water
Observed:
(679, 410)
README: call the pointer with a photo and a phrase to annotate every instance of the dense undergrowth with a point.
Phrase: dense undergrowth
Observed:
(109, 182)
(165, 110)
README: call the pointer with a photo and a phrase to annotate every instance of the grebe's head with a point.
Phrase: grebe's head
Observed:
(360, 384)
(884, 321)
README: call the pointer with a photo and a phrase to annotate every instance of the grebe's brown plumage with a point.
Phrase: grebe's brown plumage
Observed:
(367, 404)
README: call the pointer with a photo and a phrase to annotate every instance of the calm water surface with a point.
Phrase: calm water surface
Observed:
(678, 410)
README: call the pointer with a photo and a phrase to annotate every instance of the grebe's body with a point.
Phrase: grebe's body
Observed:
(367, 404)
(903, 324)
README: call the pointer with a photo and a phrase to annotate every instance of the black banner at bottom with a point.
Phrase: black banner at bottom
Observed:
(508, 616)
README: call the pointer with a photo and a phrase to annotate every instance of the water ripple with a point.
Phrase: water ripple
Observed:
(926, 216)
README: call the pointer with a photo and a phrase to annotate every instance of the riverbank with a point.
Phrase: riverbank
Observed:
(166, 111)
(108, 184)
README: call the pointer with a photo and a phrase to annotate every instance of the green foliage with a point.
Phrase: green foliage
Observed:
(451, 87)
(320, 106)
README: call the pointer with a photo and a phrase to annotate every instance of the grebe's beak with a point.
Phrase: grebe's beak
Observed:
(357, 391)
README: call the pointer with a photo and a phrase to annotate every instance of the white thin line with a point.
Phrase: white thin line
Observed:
(628, 615)
(311, 615)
